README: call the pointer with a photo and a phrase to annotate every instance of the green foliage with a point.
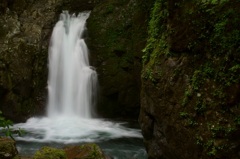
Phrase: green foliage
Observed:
(5, 127)
(152, 75)
(237, 120)
(200, 107)
(156, 42)
(148, 74)
(109, 9)
(184, 115)
(50, 153)
(93, 150)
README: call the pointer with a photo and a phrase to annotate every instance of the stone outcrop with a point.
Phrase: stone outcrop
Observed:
(50, 153)
(25, 31)
(117, 33)
(8, 149)
(190, 80)
(86, 151)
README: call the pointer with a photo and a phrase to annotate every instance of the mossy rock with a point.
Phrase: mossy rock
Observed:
(86, 151)
(190, 80)
(50, 153)
(8, 149)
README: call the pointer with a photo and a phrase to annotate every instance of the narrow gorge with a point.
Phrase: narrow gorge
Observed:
(173, 65)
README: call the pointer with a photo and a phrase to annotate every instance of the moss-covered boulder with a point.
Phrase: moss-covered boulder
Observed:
(50, 153)
(117, 33)
(86, 151)
(190, 80)
(8, 149)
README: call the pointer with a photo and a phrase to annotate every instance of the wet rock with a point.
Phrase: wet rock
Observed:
(8, 149)
(86, 151)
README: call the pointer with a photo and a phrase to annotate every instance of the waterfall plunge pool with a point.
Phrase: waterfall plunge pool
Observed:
(120, 140)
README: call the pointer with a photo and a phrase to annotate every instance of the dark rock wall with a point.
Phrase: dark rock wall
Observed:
(190, 80)
(117, 34)
(25, 31)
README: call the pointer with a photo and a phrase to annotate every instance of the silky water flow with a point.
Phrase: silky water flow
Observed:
(72, 85)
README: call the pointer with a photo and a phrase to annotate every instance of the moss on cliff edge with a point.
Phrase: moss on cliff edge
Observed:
(191, 71)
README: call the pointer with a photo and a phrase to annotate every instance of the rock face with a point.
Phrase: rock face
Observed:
(190, 80)
(117, 33)
(8, 149)
(25, 30)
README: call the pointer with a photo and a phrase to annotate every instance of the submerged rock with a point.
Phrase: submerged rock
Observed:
(8, 149)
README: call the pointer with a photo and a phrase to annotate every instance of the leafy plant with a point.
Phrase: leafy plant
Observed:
(5, 127)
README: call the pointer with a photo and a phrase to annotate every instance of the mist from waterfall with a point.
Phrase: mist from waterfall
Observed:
(72, 82)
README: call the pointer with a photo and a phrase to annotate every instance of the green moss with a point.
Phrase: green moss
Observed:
(156, 42)
(50, 153)
(213, 38)
(94, 151)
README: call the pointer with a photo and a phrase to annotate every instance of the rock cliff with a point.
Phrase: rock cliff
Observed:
(117, 34)
(190, 80)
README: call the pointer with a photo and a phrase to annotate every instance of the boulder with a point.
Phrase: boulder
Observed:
(50, 153)
(86, 151)
(8, 149)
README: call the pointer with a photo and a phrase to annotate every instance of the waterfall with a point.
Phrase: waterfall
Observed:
(72, 90)
(71, 82)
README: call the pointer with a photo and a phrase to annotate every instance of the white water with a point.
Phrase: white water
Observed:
(72, 91)
(71, 83)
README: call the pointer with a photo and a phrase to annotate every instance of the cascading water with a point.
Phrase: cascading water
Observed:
(72, 90)
(72, 82)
